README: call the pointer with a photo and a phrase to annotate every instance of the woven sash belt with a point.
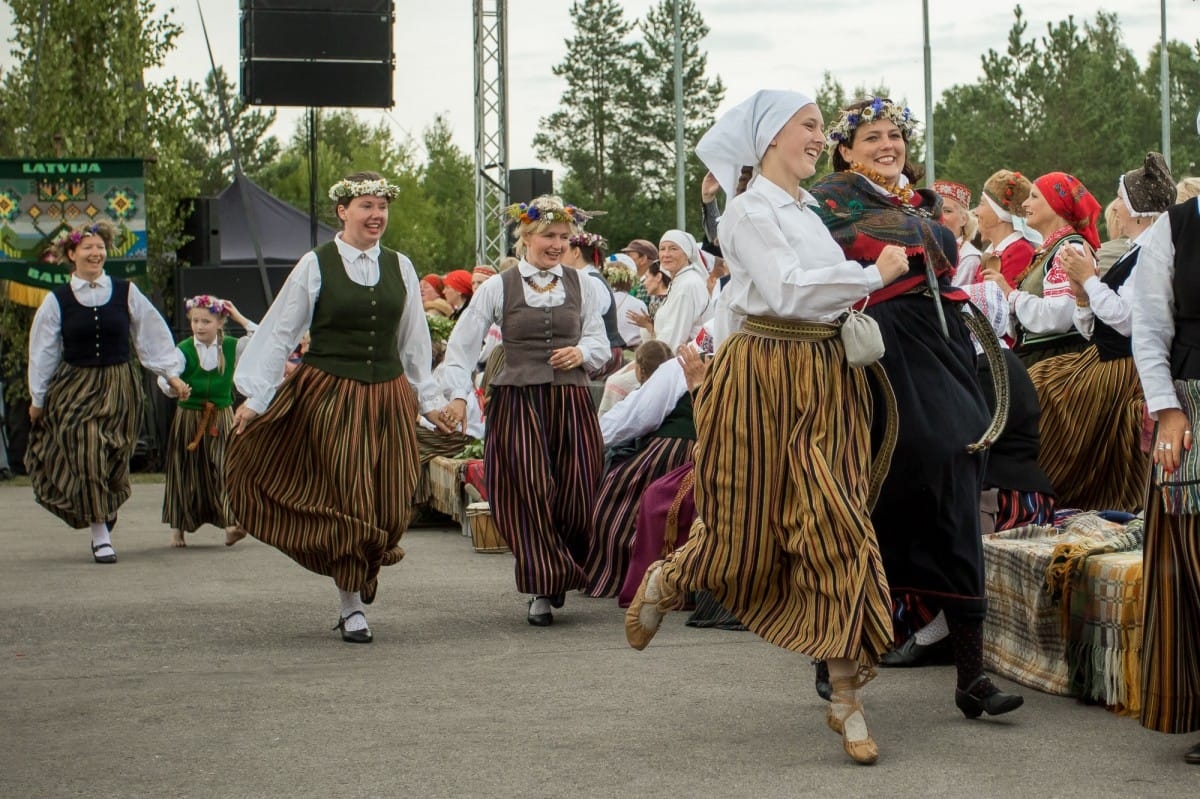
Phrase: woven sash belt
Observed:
(788, 330)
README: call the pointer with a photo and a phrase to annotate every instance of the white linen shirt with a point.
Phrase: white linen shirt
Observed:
(152, 340)
(487, 309)
(783, 262)
(261, 367)
(687, 307)
(643, 410)
(1114, 308)
(626, 302)
(1154, 315)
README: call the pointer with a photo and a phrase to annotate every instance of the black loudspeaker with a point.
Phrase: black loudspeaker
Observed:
(203, 225)
(525, 184)
(318, 53)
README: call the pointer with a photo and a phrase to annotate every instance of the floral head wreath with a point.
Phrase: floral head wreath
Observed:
(349, 189)
(585, 239)
(849, 120)
(214, 305)
(73, 237)
(548, 212)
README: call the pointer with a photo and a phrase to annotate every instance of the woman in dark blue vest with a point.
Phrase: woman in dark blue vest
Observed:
(1091, 400)
(85, 392)
(327, 473)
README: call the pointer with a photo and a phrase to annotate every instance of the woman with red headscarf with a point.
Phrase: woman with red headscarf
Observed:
(457, 288)
(1043, 305)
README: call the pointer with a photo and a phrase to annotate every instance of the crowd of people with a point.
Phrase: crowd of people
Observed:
(650, 424)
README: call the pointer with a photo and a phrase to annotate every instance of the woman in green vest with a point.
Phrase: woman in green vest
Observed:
(195, 491)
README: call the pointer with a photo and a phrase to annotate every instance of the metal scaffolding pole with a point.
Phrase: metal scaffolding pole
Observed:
(491, 129)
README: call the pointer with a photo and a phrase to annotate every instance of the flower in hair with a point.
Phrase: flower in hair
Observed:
(585, 239)
(546, 211)
(349, 189)
(848, 121)
(214, 305)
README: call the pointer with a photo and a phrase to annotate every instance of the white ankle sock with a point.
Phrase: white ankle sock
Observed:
(933, 632)
(101, 537)
(539, 606)
(352, 603)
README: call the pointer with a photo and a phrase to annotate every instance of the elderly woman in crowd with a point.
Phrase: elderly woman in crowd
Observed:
(956, 215)
(457, 287)
(687, 306)
(1001, 218)
(1091, 400)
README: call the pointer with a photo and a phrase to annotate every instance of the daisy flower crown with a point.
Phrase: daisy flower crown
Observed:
(209, 303)
(349, 189)
(849, 120)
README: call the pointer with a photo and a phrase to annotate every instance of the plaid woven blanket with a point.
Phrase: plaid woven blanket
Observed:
(1104, 653)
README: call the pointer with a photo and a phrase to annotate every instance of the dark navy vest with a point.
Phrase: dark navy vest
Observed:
(95, 336)
(1111, 344)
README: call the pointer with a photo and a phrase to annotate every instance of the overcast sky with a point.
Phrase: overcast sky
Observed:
(753, 44)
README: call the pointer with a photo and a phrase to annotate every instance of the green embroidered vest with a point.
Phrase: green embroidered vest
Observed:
(214, 386)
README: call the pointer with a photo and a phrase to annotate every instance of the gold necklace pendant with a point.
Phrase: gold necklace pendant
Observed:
(541, 289)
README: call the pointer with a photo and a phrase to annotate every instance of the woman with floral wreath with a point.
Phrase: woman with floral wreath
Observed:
(324, 467)
(543, 453)
(85, 392)
(195, 470)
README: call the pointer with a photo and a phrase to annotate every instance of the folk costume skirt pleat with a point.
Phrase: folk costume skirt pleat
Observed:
(195, 480)
(327, 475)
(614, 520)
(543, 456)
(78, 456)
(1171, 620)
(781, 483)
(1091, 431)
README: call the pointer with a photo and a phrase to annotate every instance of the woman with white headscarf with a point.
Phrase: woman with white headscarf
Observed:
(782, 480)
(686, 308)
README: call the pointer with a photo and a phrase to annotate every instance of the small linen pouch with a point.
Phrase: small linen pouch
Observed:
(862, 339)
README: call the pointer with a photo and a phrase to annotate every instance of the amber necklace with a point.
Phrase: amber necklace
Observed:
(903, 193)
(541, 289)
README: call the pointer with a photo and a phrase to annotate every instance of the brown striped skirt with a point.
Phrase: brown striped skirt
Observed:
(1171, 620)
(432, 444)
(1091, 431)
(327, 475)
(614, 518)
(543, 456)
(78, 456)
(195, 480)
(782, 484)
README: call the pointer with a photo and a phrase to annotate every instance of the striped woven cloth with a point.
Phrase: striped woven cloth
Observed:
(1104, 654)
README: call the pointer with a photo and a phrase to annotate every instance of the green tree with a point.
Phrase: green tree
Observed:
(208, 144)
(77, 89)
(1184, 90)
(447, 181)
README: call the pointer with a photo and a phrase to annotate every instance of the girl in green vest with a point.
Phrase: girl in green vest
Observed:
(195, 491)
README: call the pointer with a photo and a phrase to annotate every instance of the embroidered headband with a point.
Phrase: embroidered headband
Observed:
(953, 191)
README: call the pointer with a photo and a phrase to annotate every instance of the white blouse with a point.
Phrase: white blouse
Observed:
(487, 308)
(783, 262)
(686, 309)
(261, 368)
(1154, 315)
(152, 339)
(643, 410)
(1113, 308)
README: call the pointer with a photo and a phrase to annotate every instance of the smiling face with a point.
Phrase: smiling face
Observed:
(205, 324)
(796, 148)
(671, 256)
(364, 219)
(879, 146)
(88, 257)
(545, 249)
(1040, 216)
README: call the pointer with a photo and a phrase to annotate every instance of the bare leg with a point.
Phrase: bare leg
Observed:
(233, 534)
(177, 539)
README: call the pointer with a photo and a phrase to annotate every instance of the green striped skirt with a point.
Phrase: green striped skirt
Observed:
(78, 456)
(327, 475)
(195, 490)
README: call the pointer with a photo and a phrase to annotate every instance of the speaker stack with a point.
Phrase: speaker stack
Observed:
(525, 184)
(318, 53)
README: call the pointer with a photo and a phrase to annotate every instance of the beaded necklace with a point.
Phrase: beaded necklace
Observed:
(541, 289)
(903, 193)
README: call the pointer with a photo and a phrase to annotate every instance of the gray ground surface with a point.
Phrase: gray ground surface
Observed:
(212, 672)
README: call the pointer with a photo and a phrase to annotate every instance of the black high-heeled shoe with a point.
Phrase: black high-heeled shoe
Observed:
(362, 636)
(995, 704)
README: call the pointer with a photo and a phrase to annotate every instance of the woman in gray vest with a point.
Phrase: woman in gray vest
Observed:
(327, 473)
(1166, 349)
(85, 393)
(543, 455)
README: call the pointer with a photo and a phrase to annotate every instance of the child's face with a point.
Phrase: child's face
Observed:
(205, 325)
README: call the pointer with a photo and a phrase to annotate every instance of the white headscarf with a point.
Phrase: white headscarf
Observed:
(743, 133)
(1020, 225)
(686, 242)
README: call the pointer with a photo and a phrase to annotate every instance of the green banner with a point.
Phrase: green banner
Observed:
(41, 200)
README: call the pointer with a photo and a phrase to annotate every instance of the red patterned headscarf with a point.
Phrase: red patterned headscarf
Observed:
(1071, 200)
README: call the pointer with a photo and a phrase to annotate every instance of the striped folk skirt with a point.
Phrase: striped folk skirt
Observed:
(1091, 431)
(614, 519)
(78, 456)
(782, 483)
(327, 475)
(1171, 620)
(195, 491)
(543, 456)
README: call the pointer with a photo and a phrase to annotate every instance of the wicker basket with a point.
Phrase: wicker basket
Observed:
(485, 537)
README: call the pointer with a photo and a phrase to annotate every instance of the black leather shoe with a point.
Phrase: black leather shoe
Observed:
(354, 636)
(111, 557)
(911, 654)
(994, 704)
(1192, 755)
(539, 619)
(558, 600)
(824, 686)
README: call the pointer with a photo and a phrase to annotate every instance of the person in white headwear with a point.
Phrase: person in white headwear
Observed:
(687, 306)
(782, 471)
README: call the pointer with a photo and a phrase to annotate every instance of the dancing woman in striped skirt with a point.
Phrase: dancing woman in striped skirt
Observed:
(327, 473)
(85, 392)
(1166, 348)
(543, 453)
(782, 471)
(195, 474)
